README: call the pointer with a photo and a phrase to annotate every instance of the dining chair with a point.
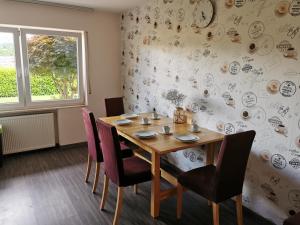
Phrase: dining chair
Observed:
(123, 172)
(293, 220)
(223, 181)
(1, 147)
(114, 106)
(94, 148)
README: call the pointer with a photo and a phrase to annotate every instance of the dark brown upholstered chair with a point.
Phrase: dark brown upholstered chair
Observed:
(94, 149)
(114, 106)
(294, 220)
(224, 181)
(1, 147)
(122, 172)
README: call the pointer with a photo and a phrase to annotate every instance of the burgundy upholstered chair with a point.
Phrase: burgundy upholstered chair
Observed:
(224, 181)
(94, 149)
(114, 106)
(122, 172)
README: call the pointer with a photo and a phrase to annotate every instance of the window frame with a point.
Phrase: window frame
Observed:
(18, 67)
(49, 103)
(23, 75)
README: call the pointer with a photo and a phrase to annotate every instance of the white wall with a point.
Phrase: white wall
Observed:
(104, 54)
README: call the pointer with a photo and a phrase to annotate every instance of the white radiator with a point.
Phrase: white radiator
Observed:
(30, 132)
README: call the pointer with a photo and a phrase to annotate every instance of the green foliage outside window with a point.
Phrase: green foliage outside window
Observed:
(41, 85)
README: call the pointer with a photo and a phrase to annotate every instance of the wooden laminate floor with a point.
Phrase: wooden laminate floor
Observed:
(47, 188)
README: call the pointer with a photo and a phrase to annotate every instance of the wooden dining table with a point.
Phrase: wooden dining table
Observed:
(163, 144)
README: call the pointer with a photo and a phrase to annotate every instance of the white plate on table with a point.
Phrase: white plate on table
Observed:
(130, 115)
(146, 134)
(123, 122)
(187, 138)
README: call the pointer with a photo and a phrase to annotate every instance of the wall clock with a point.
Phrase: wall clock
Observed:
(204, 13)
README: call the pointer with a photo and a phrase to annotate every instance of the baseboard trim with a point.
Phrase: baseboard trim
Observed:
(57, 147)
(76, 145)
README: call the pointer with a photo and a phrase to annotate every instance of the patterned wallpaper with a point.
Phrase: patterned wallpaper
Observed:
(240, 73)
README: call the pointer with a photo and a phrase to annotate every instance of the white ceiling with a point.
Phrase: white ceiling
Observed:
(109, 5)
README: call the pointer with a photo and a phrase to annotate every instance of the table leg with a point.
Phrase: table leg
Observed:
(155, 188)
(210, 154)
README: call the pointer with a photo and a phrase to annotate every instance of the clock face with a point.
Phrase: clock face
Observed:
(204, 13)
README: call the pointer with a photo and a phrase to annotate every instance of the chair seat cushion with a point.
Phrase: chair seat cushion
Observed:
(126, 151)
(294, 220)
(136, 171)
(201, 181)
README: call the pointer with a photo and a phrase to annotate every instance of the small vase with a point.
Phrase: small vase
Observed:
(179, 116)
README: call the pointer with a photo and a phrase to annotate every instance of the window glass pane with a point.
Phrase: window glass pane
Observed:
(53, 71)
(8, 74)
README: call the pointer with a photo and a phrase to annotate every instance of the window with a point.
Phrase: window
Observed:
(10, 75)
(40, 68)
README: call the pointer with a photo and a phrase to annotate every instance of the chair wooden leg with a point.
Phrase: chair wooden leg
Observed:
(104, 192)
(239, 209)
(118, 206)
(88, 169)
(135, 189)
(96, 177)
(179, 200)
(216, 213)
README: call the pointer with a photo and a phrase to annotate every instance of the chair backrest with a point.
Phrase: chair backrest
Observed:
(111, 151)
(91, 132)
(114, 106)
(232, 163)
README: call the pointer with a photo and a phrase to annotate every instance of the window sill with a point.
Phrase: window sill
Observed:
(37, 110)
